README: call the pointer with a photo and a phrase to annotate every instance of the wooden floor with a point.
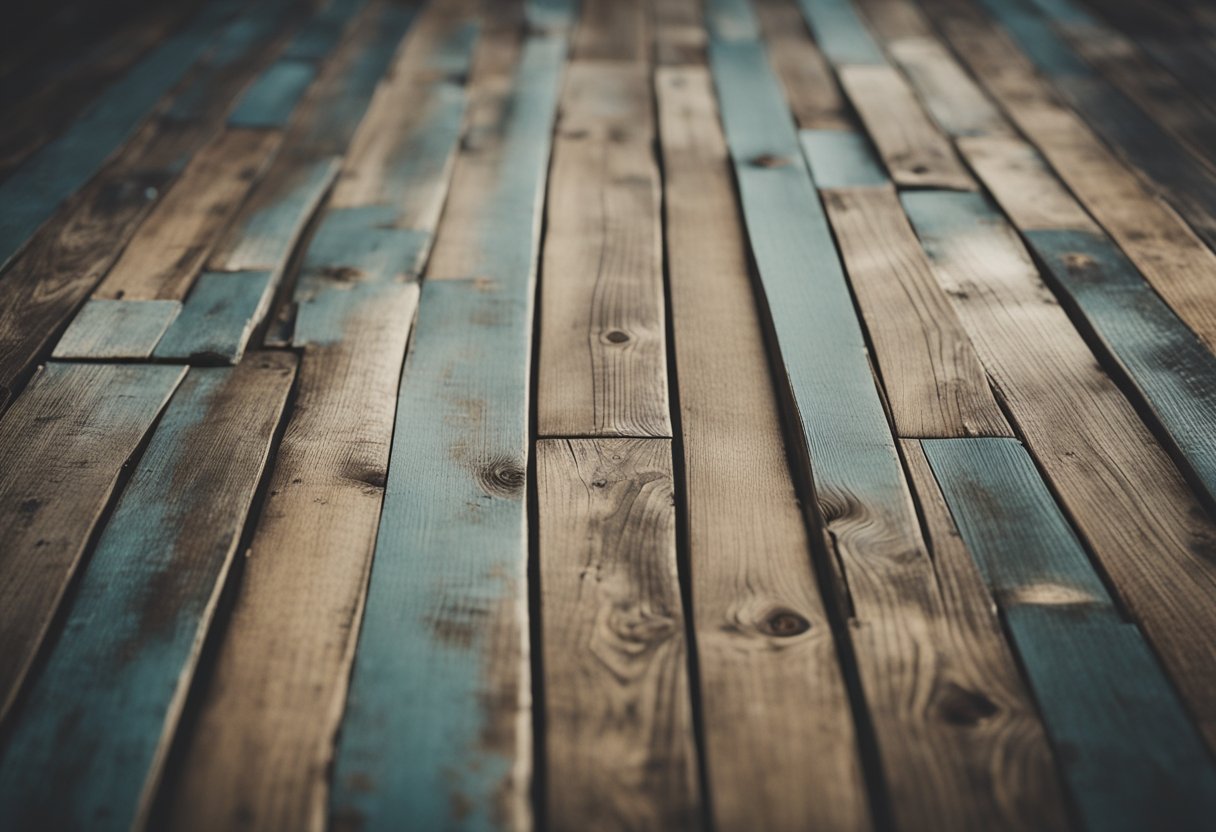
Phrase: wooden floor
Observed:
(626, 415)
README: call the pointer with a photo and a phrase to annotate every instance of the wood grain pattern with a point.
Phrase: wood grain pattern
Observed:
(1132, 759)
(117, 329)
(810, 88)
(1022, 184)
(1130, 504)
(954, 101)
(779, 739)
(57, 484)
(117, 680)
(217, 318)
(603, 360)
(618, 718)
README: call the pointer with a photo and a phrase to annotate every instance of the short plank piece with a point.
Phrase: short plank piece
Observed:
(117, 329)
(62, 447)
(840, 33)
(217, 318)
(117, 679)
(603, 359)
(940, 769)
(261, 744)
(618, 718)
(934, 383)
(441, 674)
(1130, 755)
(1130, 503)
(1166, 364)
(272, 98)
(780, 746)
(913, 149)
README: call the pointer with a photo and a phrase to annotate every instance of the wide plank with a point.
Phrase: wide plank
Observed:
(618, 717)
(63, 445)
(117, 679)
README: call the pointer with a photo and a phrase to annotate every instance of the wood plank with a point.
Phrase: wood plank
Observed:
(841, 159)
(164, 256)
(1130, 504)
(948, 93)
(840, 33)
(1022, 184)
(271, 99)
(780, 747)
(934, 383)
(58, 481)
(616, 30)
(618, 718)
(806, 77)
(914, 151)
(678, 35)
(731, 20)
(260, 748)
(1133, 758)
(118, 679)
(445, 627)
(217, 318)
(117, 329)
(920, 662)
(603, 358)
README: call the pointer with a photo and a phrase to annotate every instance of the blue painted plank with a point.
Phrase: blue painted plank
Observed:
(361, 244)
(1130, 756)
(318, 37)
(272, 98)
(117, 328)
(217, 318)
(34, 190)
(438, 700)
(840, 33)
(731, 20)
(842, 159)
(116, 681)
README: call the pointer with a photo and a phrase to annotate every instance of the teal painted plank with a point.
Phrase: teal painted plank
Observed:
(552, 17)
(86, 750)
(318, 37)
(842, 159)
(33, 191)
(1129, 754)
(361, 244)
(840, 33)
(272, 98)
(217, 318)
(63, 445)
(1170, 368)
(434, 732)
(731, 20)
(117, 329)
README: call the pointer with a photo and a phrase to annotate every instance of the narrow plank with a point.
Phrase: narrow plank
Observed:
(164, 256)
(261, 745)
(779, 739)
(269, 102)
(1133, 758)
(914, 151)
(678, 37)
(612, 30)
(58, 481)
(731, 20)
(445, 628)
(940, 769)
(934, 383)
(618, 718)
(1130, 504)
(1167, 366)
(603, 359)
(840, 33)
(117, 329)
(118, 679)
(217, 318)
(811, 90)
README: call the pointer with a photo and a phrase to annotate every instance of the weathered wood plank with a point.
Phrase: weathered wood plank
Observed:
(810, 88)
(58, 480)
(954, 101)
(616, 30)
(678, 36)
(618, 718)
(1022, 184)
(117, 680)
(1130, 504)
(840, 33)
(117, 329)
(262, 742)
(603, 359)
(933, 380)
(920, 661)
(779, 740)
(1130, 756)
(217, 318)
(445, 629)
(270, 100)
(322, 33)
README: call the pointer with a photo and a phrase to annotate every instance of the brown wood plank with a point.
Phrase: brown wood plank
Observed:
(603, 361)
(618, 718)
(679, 37)
(612, 30)
(779, 739)
(810, 88)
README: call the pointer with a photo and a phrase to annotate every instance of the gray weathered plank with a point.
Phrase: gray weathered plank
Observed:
(117, 329)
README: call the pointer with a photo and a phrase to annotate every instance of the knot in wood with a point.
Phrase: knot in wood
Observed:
(503, 478)
(769, 160)
(617, 337)
(784, 623)
(962, 707)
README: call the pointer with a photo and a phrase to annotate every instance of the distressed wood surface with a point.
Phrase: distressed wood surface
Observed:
(270, 100)
(117, 329)
(117, 678)
(618, 717)
(63, 444)
(780, 745)
(955, 102)
(603, 360)
(217, 318)
(810, 88)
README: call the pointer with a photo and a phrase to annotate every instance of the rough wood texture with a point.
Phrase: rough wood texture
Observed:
(63, 445)
(116, 682)
(603, 360)
(618, 718)
(779, 739)
(954, 101)
(217, 318)
(117, 329)
(1020, 181)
